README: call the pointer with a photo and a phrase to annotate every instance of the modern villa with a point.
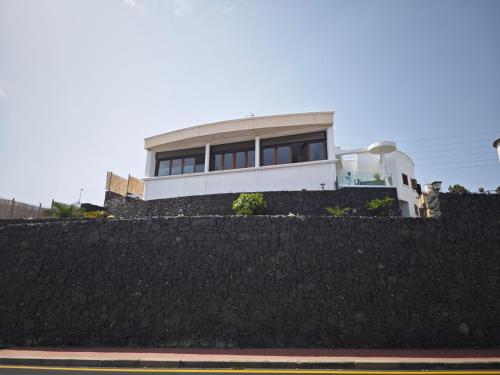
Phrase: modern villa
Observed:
(289, 152)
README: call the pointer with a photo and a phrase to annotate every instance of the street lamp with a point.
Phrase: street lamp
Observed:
(80, 198)
(436, 186)
(496, 144)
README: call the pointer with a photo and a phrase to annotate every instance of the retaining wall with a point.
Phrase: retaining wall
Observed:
(278, 203)
(267, 281)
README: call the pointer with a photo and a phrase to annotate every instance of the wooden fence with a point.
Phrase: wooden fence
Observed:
(124, 186)
(12, 209)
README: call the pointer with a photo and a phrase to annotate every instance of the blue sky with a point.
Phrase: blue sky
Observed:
(82, 83)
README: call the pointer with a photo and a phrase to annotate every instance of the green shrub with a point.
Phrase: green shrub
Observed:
(338, 211)
(65, 211)
(459, 189)
(380, 207)
(94, 214)
(249, 204)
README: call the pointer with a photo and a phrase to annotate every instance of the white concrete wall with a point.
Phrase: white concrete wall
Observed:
(396, 163)
(297, 176)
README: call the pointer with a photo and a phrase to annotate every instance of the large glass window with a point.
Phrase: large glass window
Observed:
(268, 156)
(218, 162)
(228, 161)
(251, 158)
(225, 158)
(316, 151)
(176, 167)
(283, 154)
(240, 159)
(164, 168)
(171, 163)
(188, 165)
(294, 149)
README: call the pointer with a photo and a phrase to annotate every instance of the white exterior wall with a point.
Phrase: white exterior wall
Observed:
(401, 163)
(396, 163)
(292, 177)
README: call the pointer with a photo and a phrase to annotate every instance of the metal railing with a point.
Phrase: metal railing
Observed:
(365, 179)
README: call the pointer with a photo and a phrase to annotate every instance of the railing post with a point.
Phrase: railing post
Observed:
(12, 209)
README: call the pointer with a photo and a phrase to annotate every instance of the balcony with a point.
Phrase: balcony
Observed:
(365, 179)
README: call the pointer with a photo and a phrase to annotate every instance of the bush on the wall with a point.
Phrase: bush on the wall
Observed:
(249, 204)
(380, 207)
(338, 211)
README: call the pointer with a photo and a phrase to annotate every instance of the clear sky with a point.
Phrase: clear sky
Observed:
(83, 82)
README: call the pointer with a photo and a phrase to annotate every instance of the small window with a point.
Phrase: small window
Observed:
(164, 168)
(284, 154)
(176, 167)
(405, 179)
(316, 151)
(413, 184)
(416, 210)
(268, 156)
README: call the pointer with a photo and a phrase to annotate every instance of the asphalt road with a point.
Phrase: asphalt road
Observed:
(34, 370)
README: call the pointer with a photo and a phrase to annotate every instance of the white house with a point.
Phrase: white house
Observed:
(271, 153)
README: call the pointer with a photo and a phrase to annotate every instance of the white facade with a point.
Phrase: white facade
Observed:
(305, 141)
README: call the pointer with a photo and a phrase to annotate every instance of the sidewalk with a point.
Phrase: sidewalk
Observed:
(254, 358)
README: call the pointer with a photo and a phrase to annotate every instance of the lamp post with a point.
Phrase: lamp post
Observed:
(80, 198)
(496, 144)
(436, 186)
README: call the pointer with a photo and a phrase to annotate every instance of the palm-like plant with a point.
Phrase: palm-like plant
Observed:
(65, 211)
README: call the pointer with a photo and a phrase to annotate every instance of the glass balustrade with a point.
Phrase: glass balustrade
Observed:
(365, 179)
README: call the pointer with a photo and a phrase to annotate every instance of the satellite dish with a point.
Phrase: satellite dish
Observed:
(382, 147)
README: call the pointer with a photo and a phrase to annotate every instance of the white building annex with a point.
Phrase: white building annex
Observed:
(272, 153)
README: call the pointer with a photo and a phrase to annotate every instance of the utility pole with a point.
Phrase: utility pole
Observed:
(80, 198)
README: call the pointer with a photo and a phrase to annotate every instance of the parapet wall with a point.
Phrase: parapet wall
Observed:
(266, 281)
(278, 203)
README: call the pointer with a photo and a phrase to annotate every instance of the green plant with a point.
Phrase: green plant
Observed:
(94, 214)
(338, 211)
(481, 190)
(380, 207)
(459, 189)
(377, 177)
(65, 211)
(497, 190)
(249, 204)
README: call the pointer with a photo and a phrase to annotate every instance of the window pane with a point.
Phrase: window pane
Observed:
(176, 166)
(240, 159)
(188, 165)
(316, 151)
(251, 158)
(228, 161)
(283, 154)
(218, 162)
(199, 167)
(268, 156)
(164, 168)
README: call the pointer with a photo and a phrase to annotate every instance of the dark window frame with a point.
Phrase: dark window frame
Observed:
(233, 158)
(405, 179)
(171, 159)
(290, 145)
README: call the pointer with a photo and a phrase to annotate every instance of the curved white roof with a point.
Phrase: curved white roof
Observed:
(241, 129)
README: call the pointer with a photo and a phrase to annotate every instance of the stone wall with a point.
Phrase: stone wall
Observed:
(278, 203)
(469, 207)
(264, 281)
